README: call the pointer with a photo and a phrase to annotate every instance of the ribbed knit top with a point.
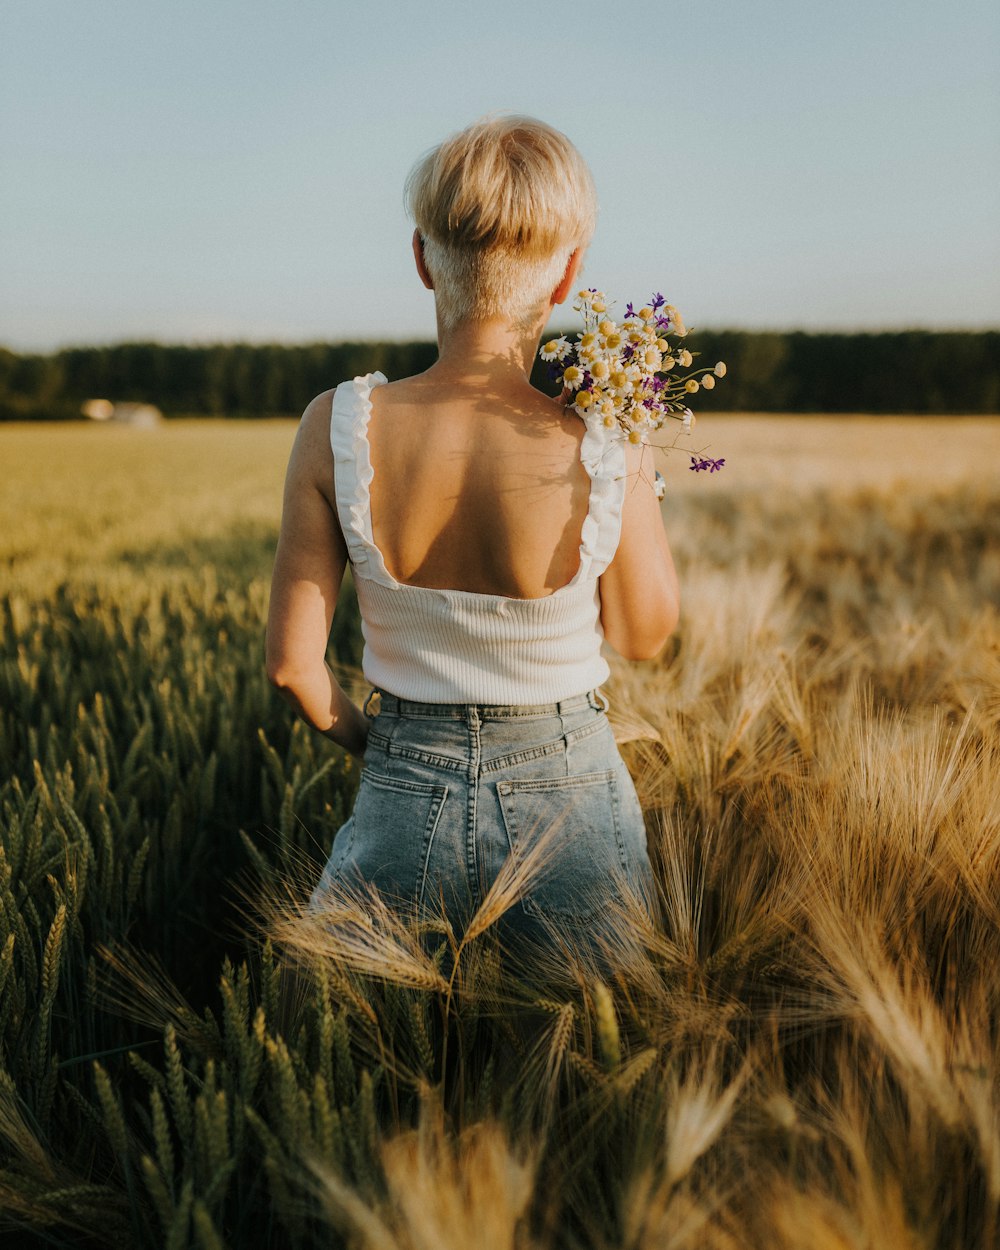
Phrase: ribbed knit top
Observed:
(460, 646)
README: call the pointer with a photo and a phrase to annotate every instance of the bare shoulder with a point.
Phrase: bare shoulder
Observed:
(403, 386)
(414, 389)
(312, 456)
(316, 416)
(563, 421)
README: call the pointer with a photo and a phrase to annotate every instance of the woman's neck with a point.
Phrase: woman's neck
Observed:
(478, 350)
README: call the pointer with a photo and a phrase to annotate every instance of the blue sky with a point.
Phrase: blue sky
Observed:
(205, 170)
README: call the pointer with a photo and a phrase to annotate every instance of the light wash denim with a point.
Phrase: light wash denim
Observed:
(449, 791)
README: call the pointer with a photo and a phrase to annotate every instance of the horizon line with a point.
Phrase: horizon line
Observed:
(77, 345)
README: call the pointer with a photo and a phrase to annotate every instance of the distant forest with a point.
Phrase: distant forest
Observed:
(914, 371)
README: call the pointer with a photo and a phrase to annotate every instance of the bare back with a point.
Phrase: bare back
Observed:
(476, 489)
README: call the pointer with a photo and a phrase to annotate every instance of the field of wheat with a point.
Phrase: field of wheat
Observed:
(804, 1053)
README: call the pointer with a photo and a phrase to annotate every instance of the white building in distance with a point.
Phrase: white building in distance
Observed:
(143, 416)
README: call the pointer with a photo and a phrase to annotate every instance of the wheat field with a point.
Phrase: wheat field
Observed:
(802, 1053)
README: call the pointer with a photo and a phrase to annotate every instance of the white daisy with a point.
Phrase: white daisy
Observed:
(555, 349)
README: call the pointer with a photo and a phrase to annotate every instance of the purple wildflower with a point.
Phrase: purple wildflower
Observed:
(629, 310)
(708, 463)
(657, 302)
(628, 351)
(656, 382)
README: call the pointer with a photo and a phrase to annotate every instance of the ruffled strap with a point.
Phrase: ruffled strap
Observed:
(352, 467)
(602, 454)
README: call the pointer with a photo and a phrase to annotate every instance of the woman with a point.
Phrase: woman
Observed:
(495, 540)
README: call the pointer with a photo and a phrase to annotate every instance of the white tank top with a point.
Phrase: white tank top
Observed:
(461, 646)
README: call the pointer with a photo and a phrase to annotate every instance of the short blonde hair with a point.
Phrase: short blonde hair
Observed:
(500, 206)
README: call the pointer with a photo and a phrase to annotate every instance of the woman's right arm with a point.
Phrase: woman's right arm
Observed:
(640, 599)
(308, 569)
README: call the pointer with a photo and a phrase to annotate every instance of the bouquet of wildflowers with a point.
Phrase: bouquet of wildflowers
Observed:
(629, 374)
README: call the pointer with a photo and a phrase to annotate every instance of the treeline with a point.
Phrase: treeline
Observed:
(220, 380)
(905, 371)
(917, 371)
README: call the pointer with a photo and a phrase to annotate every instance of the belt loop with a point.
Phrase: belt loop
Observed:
(597, 700)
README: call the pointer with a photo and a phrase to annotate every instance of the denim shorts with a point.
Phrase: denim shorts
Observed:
(449, 791)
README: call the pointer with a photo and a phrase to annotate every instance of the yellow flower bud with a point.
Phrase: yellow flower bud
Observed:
(600, 369)
(607, 326)
(584, 399)
(662, 344)
(608, 420)
(645, 313)
(668, 362)
(634, 436)
(708, 381)
(720, 369)
(588, 340)
(691, 385)
(599, 306)
(685, 358)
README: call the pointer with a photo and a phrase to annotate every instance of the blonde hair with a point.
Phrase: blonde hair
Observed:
(500, 206)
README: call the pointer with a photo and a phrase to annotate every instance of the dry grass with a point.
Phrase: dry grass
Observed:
(804, 1052)
(842, 452)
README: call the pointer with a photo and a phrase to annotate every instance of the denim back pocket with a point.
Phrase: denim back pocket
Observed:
(586, 859)
(394, 822)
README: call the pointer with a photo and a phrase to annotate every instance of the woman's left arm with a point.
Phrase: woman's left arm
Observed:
(640, 600)
(308, 570)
